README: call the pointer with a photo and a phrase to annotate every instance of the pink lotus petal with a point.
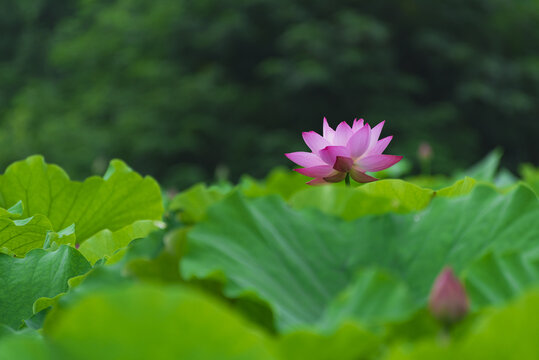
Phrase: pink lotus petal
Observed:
(375, 133)
(360, 176)
(338, 177)
(377, 162)
(380, 146)
(314, 141)
(328, 132)
(343, 164)
(317, 181)
(305, 159)
(358, 124)
(359, 142)
(342, 134)
(329, 153)
(320, 171)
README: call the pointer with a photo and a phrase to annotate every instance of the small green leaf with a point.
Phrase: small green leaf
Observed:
(105, 243)
(20, 236)
(13, 212)
(65, 236)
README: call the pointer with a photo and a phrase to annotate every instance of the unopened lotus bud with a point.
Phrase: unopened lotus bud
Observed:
(448, 301)
(424, 151)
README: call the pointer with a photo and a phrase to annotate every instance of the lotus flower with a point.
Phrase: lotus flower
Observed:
(448, 301)
(346, 150)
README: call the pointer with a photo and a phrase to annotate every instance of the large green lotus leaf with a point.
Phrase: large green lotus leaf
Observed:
(159, 260)
(5, 331)
(117, 271)
(348, 342)
(281, 182)
(486, 169)
(105, 243)
(377, 197)
(298, 261)
(497, 278)
(505, 178)
(194, 202)
(150, 322)
(507, 333)
(456, 231)
(419, 325)
(530, 175)
(456, 235)
(119, 268)
(373, 198)
(510, 332)
(373, 298)
(430, 182)
(27, 345)
(459, 188)
(292, 260)
(41, 273)
(17, 237)
(112, 202)
(425, 350)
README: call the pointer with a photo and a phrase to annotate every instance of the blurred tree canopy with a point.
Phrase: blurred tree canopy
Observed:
(181, 88)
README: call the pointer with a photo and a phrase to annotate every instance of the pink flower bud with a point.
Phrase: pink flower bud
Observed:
(448, 301)
(424, 151)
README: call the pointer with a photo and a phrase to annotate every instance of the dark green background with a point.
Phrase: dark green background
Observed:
(182, 88)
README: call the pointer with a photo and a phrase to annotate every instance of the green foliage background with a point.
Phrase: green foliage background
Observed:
(270, 270)
(184, 89)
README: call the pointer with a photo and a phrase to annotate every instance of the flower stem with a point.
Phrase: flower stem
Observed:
(347, 179)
